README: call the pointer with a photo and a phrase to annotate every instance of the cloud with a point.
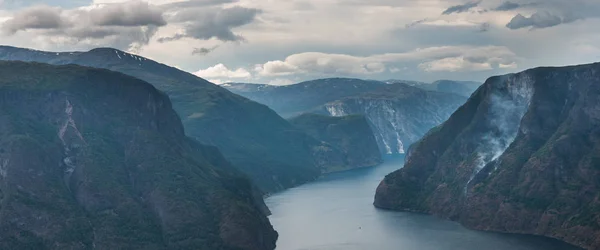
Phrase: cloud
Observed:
(207, 24)
(19, 4)
(129, 25)
(277, 68)
(415, 23)
(134, 13)
(38, 18)
(221, 71)
(203, 51)
(484, 27)
(540, 20)
(195, 3)
(454, 64)
(461, 8)
(280, 82)
(312, 62)
(508, 5)
(445, 58)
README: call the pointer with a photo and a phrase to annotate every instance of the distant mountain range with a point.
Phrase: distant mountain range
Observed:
(251, 136)
(463, 88)
(521, 156)
(398, 113)
(94, 159)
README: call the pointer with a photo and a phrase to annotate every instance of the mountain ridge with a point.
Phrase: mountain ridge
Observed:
(519, 157)
(398, 113)
(250, 135)
(94, 158)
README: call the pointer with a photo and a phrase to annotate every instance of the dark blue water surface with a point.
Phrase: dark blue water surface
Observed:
(336, 213)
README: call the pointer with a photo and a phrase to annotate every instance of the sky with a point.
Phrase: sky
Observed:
(287, 41)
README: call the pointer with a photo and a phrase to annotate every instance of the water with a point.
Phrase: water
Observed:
(336, 213)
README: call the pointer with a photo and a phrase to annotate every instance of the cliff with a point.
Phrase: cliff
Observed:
(93, 159)
(349, 136)
(521, 156)
(399, 114)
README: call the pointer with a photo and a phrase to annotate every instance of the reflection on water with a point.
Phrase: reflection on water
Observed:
(336, 213)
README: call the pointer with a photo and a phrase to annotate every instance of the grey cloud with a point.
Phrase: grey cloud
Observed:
(135, 13)
(508, 5)
(203, 51)
(552, 13)
(540, 20)
(18, 4)
(461, 8)
(38, 17)
(125, 26)
(171, 38)
(484, 27)
(90, 32)
(415, 23)
(196, 3)
(213, 24)
(303, 5)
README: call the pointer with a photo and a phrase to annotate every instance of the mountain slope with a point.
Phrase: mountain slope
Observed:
(293, 100)
(91, 158)
(350, 135)
(398, 113)
(463, 88)
(250, 135)
(521, 156)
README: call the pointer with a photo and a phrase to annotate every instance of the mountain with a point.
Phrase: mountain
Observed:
(91, 158)
(293, 100)
(521, 156)
(250, 135)
(351, 136)
(398, 113)
(463, 88)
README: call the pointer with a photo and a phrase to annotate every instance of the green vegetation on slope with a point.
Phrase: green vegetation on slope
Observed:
(350, 135)
(95, 159)
(543, 179)
(274, 154)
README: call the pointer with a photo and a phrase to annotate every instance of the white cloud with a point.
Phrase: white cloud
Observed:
(445, 58)
(276, 68)
(508, 66)
(221, 71)
(304, 39)
(454, 64)
(280, 82)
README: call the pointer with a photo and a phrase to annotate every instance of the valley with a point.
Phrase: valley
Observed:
(344, 219)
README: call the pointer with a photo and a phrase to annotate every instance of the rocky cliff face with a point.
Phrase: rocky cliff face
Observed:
(93, 159)
(398, 113)
(521, 156)
(251, 136)
(350, 137)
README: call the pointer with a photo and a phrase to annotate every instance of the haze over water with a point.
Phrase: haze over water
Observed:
(336, 213)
